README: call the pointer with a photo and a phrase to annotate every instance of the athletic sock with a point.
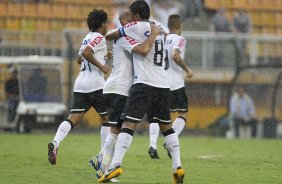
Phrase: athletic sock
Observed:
(123, 143)
(62, 131)
(109, 148)
(179, 124)
(154, 133)
(105, 129)
(172, 144)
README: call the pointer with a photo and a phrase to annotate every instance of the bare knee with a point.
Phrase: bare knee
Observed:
(76, 117)
(164, 127)
(130, 125)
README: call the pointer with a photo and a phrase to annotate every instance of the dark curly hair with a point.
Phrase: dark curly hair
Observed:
(140, 7)
(96, 18)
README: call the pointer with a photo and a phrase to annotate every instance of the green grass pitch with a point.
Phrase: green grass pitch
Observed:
(23, 160)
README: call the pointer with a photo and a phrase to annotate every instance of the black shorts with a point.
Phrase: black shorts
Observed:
(178, 100)
(82, 102)
(116, 106)
(147, 99)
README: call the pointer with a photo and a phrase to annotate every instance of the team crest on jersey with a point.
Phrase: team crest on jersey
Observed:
(147, 33)
(85, 42)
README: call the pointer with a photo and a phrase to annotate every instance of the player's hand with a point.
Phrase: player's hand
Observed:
(189, 74)
(105, 69)
(109, 55)
(156, 30)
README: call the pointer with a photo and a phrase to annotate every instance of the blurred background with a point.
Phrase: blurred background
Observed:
(230, 43)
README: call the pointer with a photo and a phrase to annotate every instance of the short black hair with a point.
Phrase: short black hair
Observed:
(96, 18)
(174, 21)
(140, 7)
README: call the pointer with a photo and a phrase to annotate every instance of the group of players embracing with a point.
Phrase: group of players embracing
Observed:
(147, 78)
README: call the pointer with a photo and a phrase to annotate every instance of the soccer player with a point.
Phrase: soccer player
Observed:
(175, 50)
(117, 86)
(88, 87)
(148, 94)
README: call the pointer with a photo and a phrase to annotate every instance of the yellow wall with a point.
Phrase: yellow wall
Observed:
(199, 116)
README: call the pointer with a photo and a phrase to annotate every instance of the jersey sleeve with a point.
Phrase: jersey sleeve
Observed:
(180, 44)
(129, 44)
(129, 30)
(97, 43)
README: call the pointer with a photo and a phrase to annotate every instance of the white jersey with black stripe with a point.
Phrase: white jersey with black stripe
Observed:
(90, 78)
(148, 69)
(176, 73)
(121, 78)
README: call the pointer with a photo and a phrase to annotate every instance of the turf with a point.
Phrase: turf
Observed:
(23, 160)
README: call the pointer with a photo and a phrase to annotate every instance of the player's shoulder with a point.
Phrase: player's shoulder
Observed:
(96, 39)
(132, 24)
(178, 37)
(137, 24)
(181, 40)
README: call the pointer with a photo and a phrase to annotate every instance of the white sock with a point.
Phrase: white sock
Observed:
(62, 132)
(154, 133)
(123, 143)
(178, 125)
(104, 133)
(172, 145)
(109, 148)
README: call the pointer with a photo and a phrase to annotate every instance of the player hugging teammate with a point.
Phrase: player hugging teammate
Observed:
(138, 85)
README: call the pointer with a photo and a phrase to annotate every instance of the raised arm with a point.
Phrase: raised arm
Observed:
(112, 35)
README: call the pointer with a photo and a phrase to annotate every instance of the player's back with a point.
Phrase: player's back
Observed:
(120, 80)
(90, 78)
(148, 69)
(174, 41)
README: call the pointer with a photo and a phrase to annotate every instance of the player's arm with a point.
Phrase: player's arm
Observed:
(176, 56)
(145, 47)
(113, 35)
(88, 55)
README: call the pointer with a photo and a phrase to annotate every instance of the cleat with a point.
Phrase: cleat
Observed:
(99, 173)
(178, 176)
(52, 153)
(96, 161)
(153, 153)
(168, 154)
(112, 173)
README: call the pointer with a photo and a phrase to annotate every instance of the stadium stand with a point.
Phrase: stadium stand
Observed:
(53, 10)
(263, 13)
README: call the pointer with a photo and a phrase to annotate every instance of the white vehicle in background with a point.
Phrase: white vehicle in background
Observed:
(40, 92)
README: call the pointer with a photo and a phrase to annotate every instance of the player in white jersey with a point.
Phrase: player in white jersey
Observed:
(148, 94)
(175, 50)
(88, 86)
(117, 87)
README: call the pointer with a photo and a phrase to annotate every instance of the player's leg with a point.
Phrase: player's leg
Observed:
(179, 122)
(139, 101)
(173, 146)
(123, 143)
(162, 115)
(105, 129)
(154, 130)
(100, 103)
(78, 109)
(179, 103)
(116, 105)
